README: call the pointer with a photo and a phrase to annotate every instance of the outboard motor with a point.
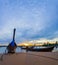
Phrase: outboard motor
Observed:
(12, 46)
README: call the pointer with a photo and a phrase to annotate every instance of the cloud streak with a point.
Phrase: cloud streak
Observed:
(33, 19)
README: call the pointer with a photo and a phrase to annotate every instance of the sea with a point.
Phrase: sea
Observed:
(18, 49)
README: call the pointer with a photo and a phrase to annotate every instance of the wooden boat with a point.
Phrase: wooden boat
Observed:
(40, 49)
(12, 46)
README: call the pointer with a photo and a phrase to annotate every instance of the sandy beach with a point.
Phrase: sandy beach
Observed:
(30, 58)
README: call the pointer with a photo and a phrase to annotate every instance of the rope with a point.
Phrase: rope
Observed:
(1, 58)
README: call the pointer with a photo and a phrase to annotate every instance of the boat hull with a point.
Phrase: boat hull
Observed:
(46, 49)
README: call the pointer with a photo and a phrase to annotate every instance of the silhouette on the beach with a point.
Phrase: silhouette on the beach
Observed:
(12, 46)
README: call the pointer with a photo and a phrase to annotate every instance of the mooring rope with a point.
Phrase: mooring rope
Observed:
(1, 58)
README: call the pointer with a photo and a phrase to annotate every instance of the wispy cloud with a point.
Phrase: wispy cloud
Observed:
(33, 19)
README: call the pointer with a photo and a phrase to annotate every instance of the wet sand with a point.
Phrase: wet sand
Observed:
(30, 58)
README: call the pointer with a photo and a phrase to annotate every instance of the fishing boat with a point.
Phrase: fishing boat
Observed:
(40, 49)
(12, 46)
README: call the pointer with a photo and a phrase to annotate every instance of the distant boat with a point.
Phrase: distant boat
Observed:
(40, 49)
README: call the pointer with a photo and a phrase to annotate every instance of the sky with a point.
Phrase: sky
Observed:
(33, 19)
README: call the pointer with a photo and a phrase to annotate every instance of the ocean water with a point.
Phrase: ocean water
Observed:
(55, 49)
(2, 50)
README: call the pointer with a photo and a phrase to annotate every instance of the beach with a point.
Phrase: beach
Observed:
(30, 58)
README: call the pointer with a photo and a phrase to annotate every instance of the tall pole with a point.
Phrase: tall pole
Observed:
(14, 34)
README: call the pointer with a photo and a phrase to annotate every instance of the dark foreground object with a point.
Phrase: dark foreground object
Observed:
(11, 49)
(12, 46)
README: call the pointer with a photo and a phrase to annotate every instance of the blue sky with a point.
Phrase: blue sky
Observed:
(33, 19)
